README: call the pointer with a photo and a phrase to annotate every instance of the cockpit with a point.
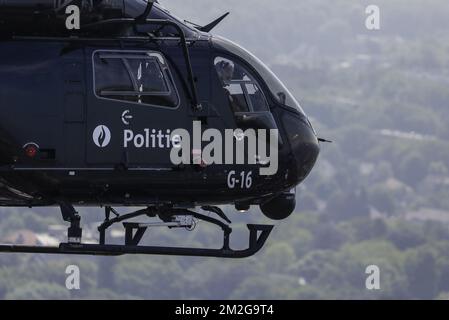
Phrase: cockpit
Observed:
(243, 90)
(277, 89)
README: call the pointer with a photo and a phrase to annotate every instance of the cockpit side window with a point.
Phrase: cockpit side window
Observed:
(241, 88)
(138, 77)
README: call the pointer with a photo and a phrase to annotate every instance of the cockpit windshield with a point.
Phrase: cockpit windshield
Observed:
(277, 88)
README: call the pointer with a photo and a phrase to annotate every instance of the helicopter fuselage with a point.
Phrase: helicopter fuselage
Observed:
(90, 122)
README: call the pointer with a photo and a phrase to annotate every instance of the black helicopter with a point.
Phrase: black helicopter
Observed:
(88, 116)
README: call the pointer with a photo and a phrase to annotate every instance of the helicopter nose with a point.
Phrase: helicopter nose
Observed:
(304, 145)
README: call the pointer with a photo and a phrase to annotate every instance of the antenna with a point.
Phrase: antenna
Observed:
(213, 24)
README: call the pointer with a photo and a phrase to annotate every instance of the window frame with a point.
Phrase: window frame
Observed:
(154, 56)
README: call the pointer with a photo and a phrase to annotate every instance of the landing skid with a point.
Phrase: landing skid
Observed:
(170, 218)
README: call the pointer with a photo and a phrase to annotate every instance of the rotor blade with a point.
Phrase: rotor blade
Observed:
(213, 24)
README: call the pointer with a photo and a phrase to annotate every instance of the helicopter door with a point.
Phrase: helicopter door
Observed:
(245, 96)
(133, 106)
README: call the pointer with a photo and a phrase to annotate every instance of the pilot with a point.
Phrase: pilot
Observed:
(225, 70)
